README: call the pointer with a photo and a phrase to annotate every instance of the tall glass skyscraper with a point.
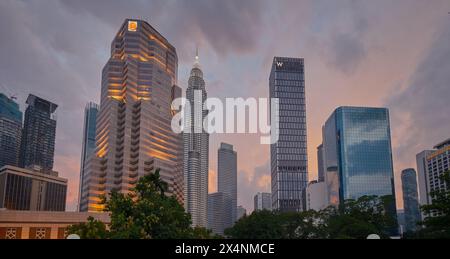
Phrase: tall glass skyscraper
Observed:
(358, 154)
(227, 177)
(289, 162)
(10, 131)
(38, 135)
(134, 135)
(88, 142)
(196, 150)
(410, 199)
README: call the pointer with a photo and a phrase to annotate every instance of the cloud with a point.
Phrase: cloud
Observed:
(420, 113)
(250, 183)
(225, 26)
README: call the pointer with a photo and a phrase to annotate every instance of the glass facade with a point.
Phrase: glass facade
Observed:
(10, 131)
(289, 170)
(358, 154)
(88, 142)
(410, 199)
(227, 176)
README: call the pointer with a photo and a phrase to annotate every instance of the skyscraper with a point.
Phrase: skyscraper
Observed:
(262, 201)
(38, 135)
(196, 148)
(320, 166)
(88, 141)
(431, 165)
(289, 162)
(422, 177)
(219, 212)
(358, 154)
(10, 131)
(410, 199)
(227, 176)
(134, 135)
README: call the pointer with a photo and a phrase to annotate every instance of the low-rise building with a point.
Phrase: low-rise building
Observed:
(15, 224)
(31, 189)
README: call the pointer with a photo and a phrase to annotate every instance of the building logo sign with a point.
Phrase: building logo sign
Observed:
(132, 26)
(279, 64)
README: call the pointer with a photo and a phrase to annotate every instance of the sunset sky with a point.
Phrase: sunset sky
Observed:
(393, 54)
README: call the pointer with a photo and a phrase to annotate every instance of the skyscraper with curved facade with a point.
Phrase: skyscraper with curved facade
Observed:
(196, 148)
(133, 133)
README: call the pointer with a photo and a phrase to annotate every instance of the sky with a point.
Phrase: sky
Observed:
(385, 53)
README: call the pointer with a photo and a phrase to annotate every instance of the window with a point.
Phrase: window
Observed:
(40, 233)
(11, 233)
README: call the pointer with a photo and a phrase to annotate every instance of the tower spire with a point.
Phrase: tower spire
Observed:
(197, 61)
(196, 55)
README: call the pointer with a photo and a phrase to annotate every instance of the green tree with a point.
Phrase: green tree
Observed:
(437, 222)
(354, 219)
(362, 217)
(146, 213)
(259, 225)
(92, 229)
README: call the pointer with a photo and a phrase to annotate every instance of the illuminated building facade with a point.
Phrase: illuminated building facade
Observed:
(431, 166)
(196, 150)
(134, 135)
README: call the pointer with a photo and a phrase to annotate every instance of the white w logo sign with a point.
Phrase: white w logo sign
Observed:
(279, 64)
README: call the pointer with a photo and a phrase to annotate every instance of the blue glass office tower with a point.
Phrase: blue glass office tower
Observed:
(38, 134)
(88, 142)
(410, 199)
(358, 155)
(289, 163)
(10, 131)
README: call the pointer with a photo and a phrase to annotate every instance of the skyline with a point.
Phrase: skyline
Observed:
(344, 45)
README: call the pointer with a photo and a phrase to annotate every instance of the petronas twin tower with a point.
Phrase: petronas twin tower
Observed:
(133, 129)
(196, 148)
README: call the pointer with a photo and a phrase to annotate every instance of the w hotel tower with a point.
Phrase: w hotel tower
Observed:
(134, 135)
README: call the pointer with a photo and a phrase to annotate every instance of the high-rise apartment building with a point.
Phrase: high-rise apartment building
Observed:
(262, 201)
(358, 155)
(431, 165)
(133, 131)
(28, 189)
(227, 176)
(289, 162)
(38, 134)
(88, 141)
(10, 131)
(410, 199)
(196, 150)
